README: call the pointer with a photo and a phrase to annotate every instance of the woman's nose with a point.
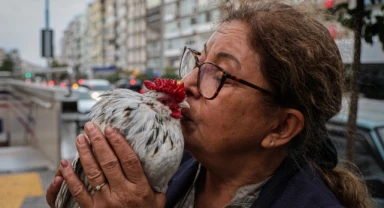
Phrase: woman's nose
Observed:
(190, 83)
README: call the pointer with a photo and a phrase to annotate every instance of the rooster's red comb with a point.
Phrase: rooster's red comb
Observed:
(169, 86)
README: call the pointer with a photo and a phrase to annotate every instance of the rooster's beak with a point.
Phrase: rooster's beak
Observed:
(184, 104)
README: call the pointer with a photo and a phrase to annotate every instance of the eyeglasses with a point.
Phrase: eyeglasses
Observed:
(210, 77)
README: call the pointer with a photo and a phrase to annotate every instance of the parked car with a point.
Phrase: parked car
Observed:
(369, 142)
(96, 87)
(85, 102)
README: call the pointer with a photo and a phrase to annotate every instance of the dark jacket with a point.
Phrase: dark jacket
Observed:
(290, 186)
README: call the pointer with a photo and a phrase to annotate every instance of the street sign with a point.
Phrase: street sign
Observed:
(47, 43)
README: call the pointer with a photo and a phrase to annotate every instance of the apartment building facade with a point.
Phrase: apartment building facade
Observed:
(136, 39)
(71, 44)
(110, 33)
(121, 34)
(137, 35)
(96, 33)
(186, 23)
(154, 36)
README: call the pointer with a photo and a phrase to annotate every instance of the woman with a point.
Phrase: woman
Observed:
(260, 90)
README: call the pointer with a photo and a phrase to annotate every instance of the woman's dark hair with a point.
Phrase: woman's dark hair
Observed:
(302, 63)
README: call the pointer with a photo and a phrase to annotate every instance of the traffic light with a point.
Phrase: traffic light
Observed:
(28, 75)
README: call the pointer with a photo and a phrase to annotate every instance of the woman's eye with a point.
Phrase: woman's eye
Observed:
(217, 78)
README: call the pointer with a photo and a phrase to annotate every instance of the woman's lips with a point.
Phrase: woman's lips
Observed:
(185, 116)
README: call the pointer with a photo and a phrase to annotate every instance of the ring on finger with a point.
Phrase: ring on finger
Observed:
(98, 187)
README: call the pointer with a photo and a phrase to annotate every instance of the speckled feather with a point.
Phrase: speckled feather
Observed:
(147, 125)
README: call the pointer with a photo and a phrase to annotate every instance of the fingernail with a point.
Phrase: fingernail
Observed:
(89, 127)
(108, 130)
(81, 139)
(64, 163)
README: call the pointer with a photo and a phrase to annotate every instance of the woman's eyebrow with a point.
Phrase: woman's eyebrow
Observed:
(224, 55)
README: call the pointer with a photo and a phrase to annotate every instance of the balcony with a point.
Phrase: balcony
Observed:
(203, 28)
(169, 17)
(169, 1)
(172, 35)
(172, 52)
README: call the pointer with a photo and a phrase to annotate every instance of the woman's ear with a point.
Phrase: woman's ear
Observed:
(291, 122)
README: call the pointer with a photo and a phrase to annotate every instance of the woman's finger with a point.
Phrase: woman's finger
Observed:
(105, 155)
(128, 158)
(58, 172)
(75, 185)
(53, 190)
(91, 168)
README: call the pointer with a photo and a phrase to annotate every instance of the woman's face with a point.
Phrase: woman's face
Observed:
(235, 121)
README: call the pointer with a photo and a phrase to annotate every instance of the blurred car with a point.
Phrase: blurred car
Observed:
(132, 84)
(369, 142)
(96, 87)
(85, 102)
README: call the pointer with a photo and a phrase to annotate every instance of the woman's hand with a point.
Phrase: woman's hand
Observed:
(118, 167)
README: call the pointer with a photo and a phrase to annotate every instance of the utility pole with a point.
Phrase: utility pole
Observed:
(47, 45)
(47, 41)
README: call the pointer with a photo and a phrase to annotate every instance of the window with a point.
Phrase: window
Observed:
(208, 17)
(153, 3)
(171, 27)
(154, 63)
(185, 23)
(193, 21)
(202, 2)
(190, 43)
(172, 44)
(187, 7)
(170, 8)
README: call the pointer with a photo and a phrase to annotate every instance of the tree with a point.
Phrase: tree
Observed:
(170, 73)
(364, 25)
(56, 63)
(8, 63)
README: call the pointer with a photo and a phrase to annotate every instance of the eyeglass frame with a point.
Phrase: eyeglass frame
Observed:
(225, 76)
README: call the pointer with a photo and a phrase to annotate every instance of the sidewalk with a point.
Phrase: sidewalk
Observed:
(24, 189)
(39, 201)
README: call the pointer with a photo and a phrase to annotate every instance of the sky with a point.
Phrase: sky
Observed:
(22, 20)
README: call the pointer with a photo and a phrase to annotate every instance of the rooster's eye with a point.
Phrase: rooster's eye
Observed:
(163, 101)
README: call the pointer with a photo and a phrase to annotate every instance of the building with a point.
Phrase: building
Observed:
(96, 33)
(154, 35)
(85, 61)
(71, 44)
(186, 23)
(121, 34)
(136, 38)
(110, 33)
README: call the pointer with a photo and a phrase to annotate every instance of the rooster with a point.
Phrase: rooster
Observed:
(151, 124)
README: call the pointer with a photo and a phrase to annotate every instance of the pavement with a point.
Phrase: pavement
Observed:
(25, 190)
(25, 173)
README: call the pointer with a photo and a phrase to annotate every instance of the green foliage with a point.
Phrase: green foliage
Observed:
(145, 76)
(170, 73)
(8, 63)
(55, 63)
(372, 25)
(80, 75)
(112, 78)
